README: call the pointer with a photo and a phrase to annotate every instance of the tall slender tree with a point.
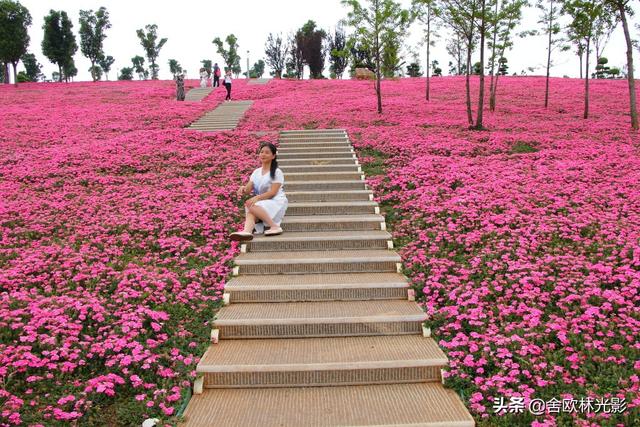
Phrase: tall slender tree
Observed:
(427, 12)
(585, 14)
(506, 16)
(92, 34)
(174, 67)
(151, 45)
(462, 17)
(623, 9)
(338, 52)
(371, 23)
(59, 43)
(15, 20)
(295, 61)
(551, 11)
(312, 48)
(230, 55)
(275, 50)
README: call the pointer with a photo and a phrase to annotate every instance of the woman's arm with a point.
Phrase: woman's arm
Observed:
(275, 187)
(245, 189)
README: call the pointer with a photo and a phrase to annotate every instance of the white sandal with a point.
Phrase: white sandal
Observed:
(273, 231)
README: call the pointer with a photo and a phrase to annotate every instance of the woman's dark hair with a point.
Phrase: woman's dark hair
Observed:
(274, 162)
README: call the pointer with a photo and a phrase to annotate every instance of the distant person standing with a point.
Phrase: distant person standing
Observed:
(227, 84)
(203, 77)
(216, 75)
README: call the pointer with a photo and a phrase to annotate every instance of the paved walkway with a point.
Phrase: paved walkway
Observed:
(320, 328)
(197, 93)
(225, 117)
(259, 81)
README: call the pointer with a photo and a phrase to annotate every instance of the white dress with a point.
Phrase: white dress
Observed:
(277, 205)
(203, 79)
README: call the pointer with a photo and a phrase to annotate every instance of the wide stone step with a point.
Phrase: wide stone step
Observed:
(308, 140)
(327, 240)
(324, 176)
(333, 208)
(319, 319)
(333, 223)
(327, 196)
(311, 131)
(289, 262)
(315, 154)
(305, 362)
(315, 144)
(321, 168)
(312, 161)
(408, 405)
(333, 185)
(317, 287)
(346, 149)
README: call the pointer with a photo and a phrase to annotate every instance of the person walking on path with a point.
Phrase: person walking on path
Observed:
(203, 77)
(269, 204)
(227, 84)
(216, 75)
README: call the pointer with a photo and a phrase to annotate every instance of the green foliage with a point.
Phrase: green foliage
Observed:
(138, 66)
(230, 55)
(379, 23)
(295, 62)
(59, 43)
(151, 46)
(175, 68)
(96, 72)
(92, 35)
(435, 69)
(391, 60)
(126, 74)
(522, 147)
(257, 70)
(311, 40)
(276, 50)
(105, 62)
(413, 69)
(33, 69)
(503, 67)
(338, 52)
(15, 20)
(206, 64)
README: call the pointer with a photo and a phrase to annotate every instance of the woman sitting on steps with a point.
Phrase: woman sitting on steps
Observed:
(270, 203)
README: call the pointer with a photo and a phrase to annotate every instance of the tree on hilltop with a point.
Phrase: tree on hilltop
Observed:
(151, 45)
(92, 35)
(371, 23)
(15, 20)
(59, 43)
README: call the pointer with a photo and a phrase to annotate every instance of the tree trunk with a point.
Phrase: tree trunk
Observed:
(5, 66)
(586, 83)
(59, 73)
(468, 84)
(580, 56)
(549, 46)
(492, 92)
(93, 71)
(428, 52)
(15, 73)
(632, 83)
(481, 91)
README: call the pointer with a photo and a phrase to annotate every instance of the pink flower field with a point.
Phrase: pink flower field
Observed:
(523, 241)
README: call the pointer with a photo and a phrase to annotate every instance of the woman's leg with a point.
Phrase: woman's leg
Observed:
(249, 223)
(260, 212)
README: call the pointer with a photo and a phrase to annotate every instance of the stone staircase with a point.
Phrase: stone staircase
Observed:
(225, 117)
(197, 93)
(319, 326)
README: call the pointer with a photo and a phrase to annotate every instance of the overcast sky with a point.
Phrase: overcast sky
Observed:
(191, 25)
